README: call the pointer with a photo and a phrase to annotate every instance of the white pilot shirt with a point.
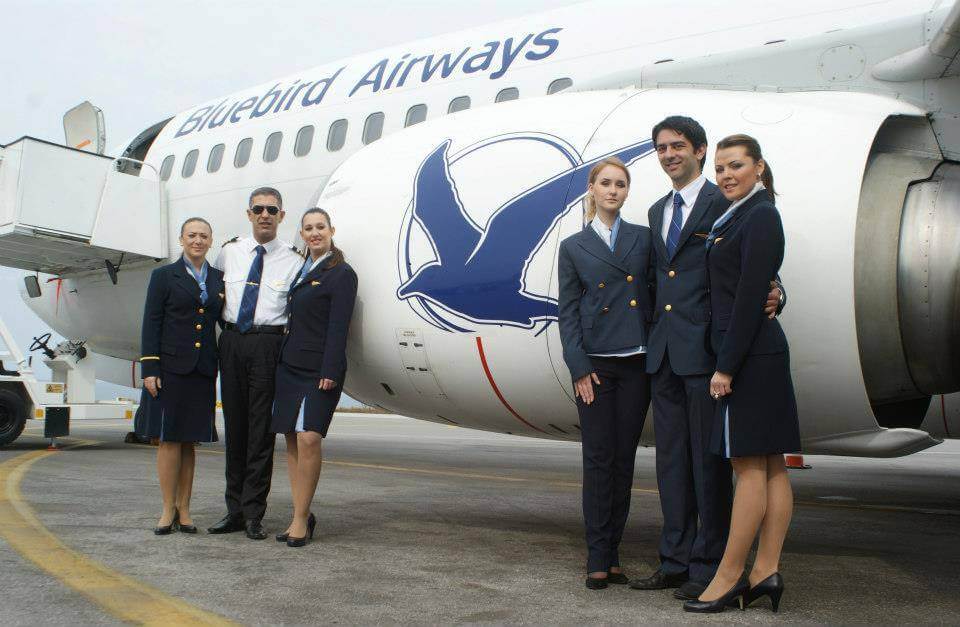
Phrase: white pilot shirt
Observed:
(281, 266)
(690, 193)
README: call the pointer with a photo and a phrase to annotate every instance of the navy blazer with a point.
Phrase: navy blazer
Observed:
(179, 332)
(682, 331)
(747, 251)
(605, 302)
(319, 309)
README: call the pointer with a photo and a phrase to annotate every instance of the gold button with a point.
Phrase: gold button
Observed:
(197, 344)
(199, 326)
(671, 274)
(668, 307)
(601, 286)
(629, 279)
(633, 303)
(200, 310)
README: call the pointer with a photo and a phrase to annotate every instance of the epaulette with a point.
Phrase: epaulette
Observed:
(297, 250)
(230, 241)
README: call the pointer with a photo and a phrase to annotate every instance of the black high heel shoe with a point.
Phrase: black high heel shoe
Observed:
(735, 594)
(772, 587)
(298, 542)
(166, 530)
(181, 527)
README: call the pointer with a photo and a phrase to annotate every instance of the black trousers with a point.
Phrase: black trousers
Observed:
(696, 491)
(248, 366)
(610, 431)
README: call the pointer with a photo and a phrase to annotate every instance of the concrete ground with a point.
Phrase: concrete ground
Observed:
(427, 523)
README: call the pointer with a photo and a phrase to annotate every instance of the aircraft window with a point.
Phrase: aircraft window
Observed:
(243, 153)
(459, 103)
(337, 135)
(415, 115)
(216, 158)
(373, 127)
(304, 142)
(559, 85)
(510, 93)
(271, 149)
(166, 168)
(190, 163)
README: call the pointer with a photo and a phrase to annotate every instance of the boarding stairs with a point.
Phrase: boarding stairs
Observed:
(65, 211)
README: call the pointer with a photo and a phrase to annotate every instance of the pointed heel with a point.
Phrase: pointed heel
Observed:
(775, 600)
(740, 603)
(311, 525)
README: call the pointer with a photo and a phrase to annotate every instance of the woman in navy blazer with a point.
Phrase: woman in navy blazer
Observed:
(312, 364)
(756, 419)
(605, 308)
(179, 367)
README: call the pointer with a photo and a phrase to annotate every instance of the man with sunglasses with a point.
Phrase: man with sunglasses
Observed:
(258, 271)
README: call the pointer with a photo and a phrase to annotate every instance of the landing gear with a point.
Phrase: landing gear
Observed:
(13, 416)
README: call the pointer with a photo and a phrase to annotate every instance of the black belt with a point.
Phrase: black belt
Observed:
(257, 328)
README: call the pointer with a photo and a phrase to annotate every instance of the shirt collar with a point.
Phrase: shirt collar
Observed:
(692, 190)
(192, 270)
(599, 226)
(270, 246)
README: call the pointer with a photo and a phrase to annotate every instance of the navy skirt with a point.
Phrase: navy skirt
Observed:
(760, 416)
(185, 410)
(299, 404)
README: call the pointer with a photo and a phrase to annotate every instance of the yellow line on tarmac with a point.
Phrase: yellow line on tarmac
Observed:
(120, 596)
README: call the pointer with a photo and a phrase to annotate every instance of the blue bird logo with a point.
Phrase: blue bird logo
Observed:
(479, 274)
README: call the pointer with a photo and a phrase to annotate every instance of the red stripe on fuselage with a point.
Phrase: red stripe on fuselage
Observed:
(496, 390)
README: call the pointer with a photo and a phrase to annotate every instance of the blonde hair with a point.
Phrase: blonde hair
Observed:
(591, 212)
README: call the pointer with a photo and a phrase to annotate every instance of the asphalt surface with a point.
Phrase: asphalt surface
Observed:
(427, 523)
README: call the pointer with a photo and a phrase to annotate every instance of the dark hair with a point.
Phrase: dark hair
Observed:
(752, 147)
(266, 191)
(688, 127)
(592, 178)
(337, 255)
(183, 227)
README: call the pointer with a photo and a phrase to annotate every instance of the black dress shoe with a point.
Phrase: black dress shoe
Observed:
(617, 578)
(595, 583)
(255, 530)
(772, 587)
(228, 524)
(182, 527)
(689, 590)
(733, 595)
(659, 581)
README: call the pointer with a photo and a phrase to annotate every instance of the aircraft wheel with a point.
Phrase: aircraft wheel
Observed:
(13, 416)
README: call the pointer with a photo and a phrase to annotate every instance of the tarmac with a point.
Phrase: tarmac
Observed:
(426, 523)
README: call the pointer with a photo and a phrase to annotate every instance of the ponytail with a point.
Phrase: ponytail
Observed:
(752, 147)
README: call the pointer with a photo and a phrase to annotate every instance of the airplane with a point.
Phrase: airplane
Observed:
(453, 167)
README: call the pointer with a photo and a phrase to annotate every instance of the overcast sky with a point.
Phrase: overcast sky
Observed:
(141, 62)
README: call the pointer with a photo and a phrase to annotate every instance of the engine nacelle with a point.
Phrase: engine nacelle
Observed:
(468, 211)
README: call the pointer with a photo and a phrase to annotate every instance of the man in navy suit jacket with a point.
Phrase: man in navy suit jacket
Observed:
(695, 485)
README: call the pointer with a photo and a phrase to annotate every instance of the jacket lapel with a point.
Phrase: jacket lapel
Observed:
(700, 208)
(626, 241)
(591, 242)
(317, 275)
(186, 282)
(656, 227)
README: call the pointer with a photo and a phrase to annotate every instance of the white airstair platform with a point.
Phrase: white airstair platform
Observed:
(64, 211)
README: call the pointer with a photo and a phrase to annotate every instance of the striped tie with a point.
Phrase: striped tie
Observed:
(251, 291)
(676, 224)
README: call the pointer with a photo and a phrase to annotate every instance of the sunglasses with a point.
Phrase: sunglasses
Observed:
(271, 209)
